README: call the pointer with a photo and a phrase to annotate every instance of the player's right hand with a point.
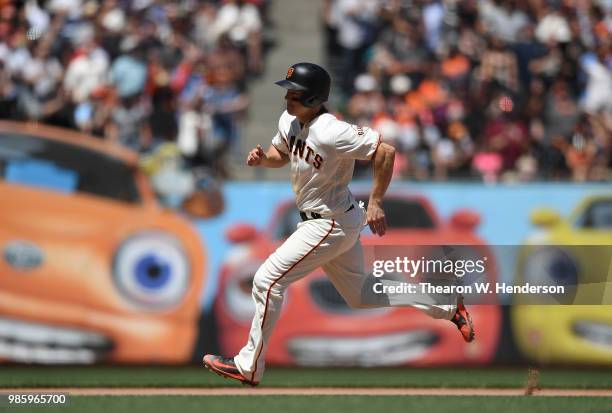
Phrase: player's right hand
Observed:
(376, 218)
(255, 156)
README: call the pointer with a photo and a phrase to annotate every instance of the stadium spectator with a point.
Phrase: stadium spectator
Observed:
(367, 100)
(241, 23)
(451, 83)
(356, 24)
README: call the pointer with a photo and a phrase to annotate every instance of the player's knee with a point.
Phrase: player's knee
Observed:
(260, 283)
(277, 291)
(264, 283)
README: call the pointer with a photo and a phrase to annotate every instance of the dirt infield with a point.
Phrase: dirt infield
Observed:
(309, 391)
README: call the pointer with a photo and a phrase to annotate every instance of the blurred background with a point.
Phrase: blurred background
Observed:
(131, 228)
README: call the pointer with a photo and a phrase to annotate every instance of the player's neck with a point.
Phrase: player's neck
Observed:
(309, 116)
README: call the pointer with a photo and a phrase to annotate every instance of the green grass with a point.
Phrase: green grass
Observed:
(309, 404)
(109, 376)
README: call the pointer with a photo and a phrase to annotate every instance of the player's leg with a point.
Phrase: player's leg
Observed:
(347, 273)
(349, 276)
(313, 243)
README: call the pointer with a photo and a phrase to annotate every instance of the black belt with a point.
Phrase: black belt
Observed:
(313, 215)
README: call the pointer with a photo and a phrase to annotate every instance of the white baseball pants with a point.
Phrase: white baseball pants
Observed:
(331, 243)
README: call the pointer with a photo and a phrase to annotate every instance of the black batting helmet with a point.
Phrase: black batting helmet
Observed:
(311, 79)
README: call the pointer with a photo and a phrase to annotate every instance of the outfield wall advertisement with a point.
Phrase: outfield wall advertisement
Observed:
(89, 278)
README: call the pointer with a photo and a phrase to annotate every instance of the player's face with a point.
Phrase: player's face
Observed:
(294, 106)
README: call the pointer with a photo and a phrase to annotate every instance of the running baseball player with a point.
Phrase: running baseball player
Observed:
(321, 151)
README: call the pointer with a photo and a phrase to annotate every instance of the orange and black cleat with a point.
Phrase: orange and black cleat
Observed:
(225, 367)
(463, 321)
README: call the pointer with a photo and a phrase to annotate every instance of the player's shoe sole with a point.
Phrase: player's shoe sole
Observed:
(225, 367)
(463, 321)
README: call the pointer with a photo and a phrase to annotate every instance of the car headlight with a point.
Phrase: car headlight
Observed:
(151, 270)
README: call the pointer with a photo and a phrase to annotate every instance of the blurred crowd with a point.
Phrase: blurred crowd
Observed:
(500, 90)
(511, 90)
(142, 73)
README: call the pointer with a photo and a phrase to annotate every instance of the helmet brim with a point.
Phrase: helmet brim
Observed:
(288, 84)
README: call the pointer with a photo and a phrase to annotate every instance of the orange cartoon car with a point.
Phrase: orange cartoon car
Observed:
(317, 328)
(92, 268)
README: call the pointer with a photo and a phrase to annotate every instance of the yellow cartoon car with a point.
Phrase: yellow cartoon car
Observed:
(574, 327)
(92, 268)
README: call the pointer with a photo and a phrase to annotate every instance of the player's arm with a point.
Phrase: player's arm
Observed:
(383, 170)
(273, 158)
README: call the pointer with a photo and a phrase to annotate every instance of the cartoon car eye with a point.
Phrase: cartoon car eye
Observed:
(552, 266)
(151, 270)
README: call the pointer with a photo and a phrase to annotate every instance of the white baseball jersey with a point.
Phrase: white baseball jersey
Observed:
(322, 155)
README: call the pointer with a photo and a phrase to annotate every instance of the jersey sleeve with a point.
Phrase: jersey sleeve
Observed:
(279, 141)
(356, 142)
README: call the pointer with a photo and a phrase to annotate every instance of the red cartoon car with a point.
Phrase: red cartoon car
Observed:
(317, 328)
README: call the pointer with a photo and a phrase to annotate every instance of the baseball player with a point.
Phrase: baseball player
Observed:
(321, 151)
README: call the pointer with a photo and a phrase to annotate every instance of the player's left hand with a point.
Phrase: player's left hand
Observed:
(256, 156)
(376, 218)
